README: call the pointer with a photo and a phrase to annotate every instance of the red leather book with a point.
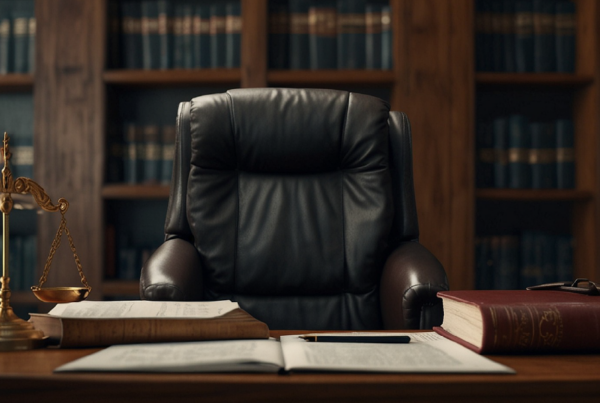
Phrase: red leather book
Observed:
(513, 322)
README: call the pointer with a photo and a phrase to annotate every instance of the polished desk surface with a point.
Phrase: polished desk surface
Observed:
(27, 375)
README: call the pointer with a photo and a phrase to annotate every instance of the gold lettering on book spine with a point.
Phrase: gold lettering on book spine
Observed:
(550, 328)
(524, 328)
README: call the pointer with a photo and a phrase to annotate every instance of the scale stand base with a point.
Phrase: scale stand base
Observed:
(17, 334)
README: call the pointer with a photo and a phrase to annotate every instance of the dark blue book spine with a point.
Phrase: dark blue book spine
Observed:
(165, 34)
(519, 142)
(131, 35)
(530, 260)
(322, 21)
(500, 134)
(564, 257)
(565, 154)
(498, 35)
(480, 36)
(373, 36)
(233, 34)
(6, 42)
(544, 52)
(279, 34)
(31, 30)
(178, 47)
(351, 34)
(484, 279)
(20, 36)
(168, 154)
(132, 154)
(524, 36)
(217, 35)
(565, 36)
(506, 274)
(187, 35)
(201, 36)
(508, 30)
(387, 51)
(485, 155)
(542, 157)
(299, 46)
(152, 157)
(150, 38)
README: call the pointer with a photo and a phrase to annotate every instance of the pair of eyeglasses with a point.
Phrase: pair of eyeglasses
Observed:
(568, 286)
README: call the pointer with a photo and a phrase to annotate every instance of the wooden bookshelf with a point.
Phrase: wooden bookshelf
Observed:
(16, 82)
(433, 80)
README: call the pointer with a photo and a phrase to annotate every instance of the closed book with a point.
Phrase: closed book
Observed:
(373, 36)
(152, 158)
(165, 34)
(500, 144)
(565, 154)
(131, 35)
(201, 36)
(484, 175)
(150, 37)
(178, 46)
(217, 35)
(521, 321)
(544, 49)
(20, 36)
(542, 155)
(31, 32)
(351, 34)
(299, 46)
(279, 34)
(565, 36)
(498, 35)
(168, 136)
(508, 30)
(322, 33)
(519, 143)
(6, 43)
(484, 35)
(387, 51)
(233, 34)
(187, 36)
(186, 323)
(524, 36)
(132, 156)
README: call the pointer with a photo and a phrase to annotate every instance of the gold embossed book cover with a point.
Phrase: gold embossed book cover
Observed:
(521, 321)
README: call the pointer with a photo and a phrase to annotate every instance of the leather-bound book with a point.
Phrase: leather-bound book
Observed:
(104, 323)
(521, 321)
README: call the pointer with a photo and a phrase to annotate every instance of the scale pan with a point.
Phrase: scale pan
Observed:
(60, 295)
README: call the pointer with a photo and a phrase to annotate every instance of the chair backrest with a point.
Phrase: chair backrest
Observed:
(293, 199)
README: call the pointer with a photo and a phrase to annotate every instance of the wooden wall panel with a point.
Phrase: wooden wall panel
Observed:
(69, 131)
(434, 68)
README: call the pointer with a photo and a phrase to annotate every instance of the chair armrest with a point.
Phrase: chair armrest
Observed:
(411, 278)
(173, 273)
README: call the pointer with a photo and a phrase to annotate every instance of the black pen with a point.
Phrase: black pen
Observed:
(356, 339)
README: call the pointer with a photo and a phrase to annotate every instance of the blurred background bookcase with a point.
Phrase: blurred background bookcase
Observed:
(82, 98)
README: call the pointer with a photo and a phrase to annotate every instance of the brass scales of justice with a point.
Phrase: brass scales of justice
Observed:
(15, 333)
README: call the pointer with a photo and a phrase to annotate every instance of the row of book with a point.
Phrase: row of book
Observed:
(525, 35)
(514, 152)
(17, 36)
(344, 34)
(143, 155)
(16, 115)
(22, 261)
(178, 34)
(510, 262)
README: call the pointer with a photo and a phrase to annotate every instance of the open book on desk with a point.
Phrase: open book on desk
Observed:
(426, 353)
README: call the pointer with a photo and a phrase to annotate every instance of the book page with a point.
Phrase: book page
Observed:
(205, 356)
(143, 309)
(427, 352)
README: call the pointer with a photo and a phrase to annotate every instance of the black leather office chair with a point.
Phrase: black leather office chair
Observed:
(299, 205)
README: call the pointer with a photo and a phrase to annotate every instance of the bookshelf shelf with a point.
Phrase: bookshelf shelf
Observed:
(534, 79)
(130, 192)
(175, 77)
(331, 77)
(16, 82)
(534, 194)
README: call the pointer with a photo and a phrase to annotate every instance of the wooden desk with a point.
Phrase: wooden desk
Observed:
(25, 376)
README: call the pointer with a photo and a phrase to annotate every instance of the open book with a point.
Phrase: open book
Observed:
(426, 352)
(104, 323)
